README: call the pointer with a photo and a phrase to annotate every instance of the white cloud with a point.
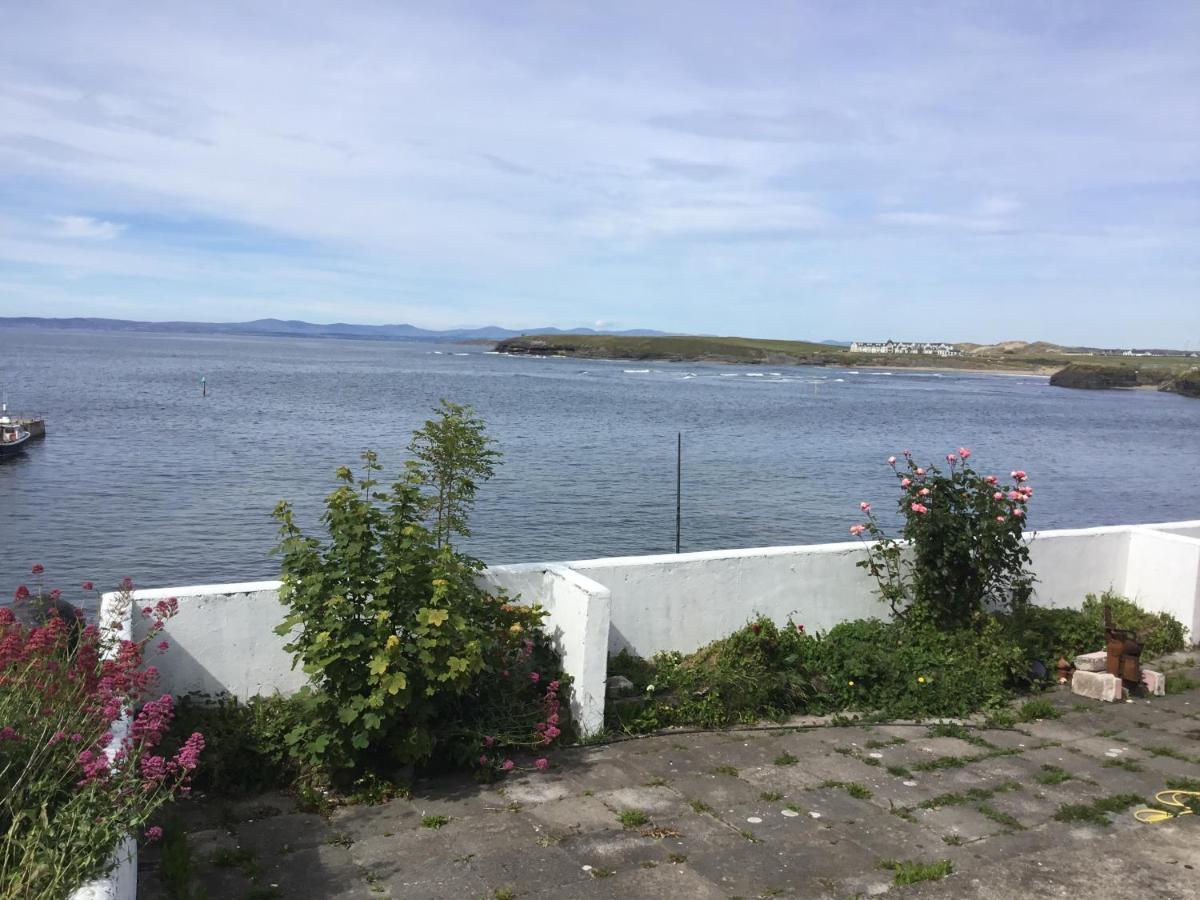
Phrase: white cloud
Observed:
(85, 227)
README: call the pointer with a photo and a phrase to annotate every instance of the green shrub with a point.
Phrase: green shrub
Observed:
(964, 552)
(1047, 634)
(406, 654)
(1159, 633)
(246, 752)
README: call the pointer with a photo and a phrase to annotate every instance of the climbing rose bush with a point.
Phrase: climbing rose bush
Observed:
(963, 551)
(73, 781)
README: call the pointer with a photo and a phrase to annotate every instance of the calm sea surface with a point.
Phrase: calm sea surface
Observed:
(141, 476)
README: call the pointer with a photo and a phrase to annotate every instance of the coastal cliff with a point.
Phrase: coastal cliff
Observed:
(1186, 383)
(1095, 376)
(1101, 376)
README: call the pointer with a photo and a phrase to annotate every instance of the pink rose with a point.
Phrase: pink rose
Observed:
(864, 506)
(891, 460)
(919, 508)
(856, 530)
(1013, 495)
(1018, 512)
(997, 496)
(999, 518)
(542, 764)
(951, 458)
(920, 471)
(1019, 475)
(991, 479)
(964, 452)
(923, 492)
(905, 482)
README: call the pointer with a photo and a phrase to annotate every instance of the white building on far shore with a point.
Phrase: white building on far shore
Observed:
(920, 348)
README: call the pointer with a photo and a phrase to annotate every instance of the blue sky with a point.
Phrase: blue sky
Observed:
(964, 171)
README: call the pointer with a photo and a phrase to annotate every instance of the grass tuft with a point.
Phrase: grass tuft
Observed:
(914, 872)
(1096, 812)
(632, 818)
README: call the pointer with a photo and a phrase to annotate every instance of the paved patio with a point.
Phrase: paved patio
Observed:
(809, 812)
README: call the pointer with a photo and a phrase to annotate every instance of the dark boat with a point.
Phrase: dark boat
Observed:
(13, 437)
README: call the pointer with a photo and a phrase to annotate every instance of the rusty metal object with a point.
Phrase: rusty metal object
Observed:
(1124, 651)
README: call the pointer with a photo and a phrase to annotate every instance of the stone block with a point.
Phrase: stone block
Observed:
(1097, 685)
(1155, 682)
(1092, 662)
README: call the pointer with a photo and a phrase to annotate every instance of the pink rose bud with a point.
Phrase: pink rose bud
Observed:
(964, 452)
(1018, 512)
(905, 482)
(1013, 495)
(951, 458)
(920, 471)
(864, 506)
(999, 518)
(997, 496)
(991, 479)
(891, 460)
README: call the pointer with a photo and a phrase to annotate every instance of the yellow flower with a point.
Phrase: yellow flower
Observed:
(515, 629)
(851, 683)
(920, 679)
(440, 582)
(393, 641)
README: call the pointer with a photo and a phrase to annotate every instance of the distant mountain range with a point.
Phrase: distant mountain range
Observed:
(293, 328)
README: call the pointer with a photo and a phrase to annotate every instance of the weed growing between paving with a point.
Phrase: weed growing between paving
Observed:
(913, 872)
(1097, 812)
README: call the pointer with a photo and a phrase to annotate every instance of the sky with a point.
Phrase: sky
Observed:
(812, 170)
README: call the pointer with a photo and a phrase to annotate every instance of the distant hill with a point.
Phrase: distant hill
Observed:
(294, 328)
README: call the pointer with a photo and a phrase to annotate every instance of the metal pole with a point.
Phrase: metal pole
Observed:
(678, 488)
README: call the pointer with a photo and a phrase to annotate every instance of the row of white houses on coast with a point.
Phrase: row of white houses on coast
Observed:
(920, 348)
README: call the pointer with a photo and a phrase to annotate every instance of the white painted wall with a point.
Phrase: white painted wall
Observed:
(223, 637)
(222, 640)
(1164, 574)
(1071, 564)
(681, 602)
(577, 619)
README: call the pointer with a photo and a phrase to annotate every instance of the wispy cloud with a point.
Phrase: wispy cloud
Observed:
(85, 227)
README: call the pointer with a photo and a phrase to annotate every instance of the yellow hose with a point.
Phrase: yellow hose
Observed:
(1173, 799)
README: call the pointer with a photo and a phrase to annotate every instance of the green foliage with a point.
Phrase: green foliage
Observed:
(452, 454)
(632, 818)
(911, 668)
(1177, 683)
(1047, 634)
(434, 821)
(406, 654)
(1160, 633)
(964, 555)
(1097, 812)
(176, 866)
(245, 750)
(1032, 710)
(913, 872)
(1051, 774)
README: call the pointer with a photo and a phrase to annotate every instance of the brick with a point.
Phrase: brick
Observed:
(1097, 685)
(1155, 682)
(1092, 662)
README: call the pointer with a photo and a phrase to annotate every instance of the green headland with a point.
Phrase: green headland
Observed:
(1067, 366)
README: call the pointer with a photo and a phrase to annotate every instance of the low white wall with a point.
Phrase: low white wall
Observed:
(222, 640)
(1071, 564)
(577, 619)
(1164, 574)
(683, 601)
(223, 637)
